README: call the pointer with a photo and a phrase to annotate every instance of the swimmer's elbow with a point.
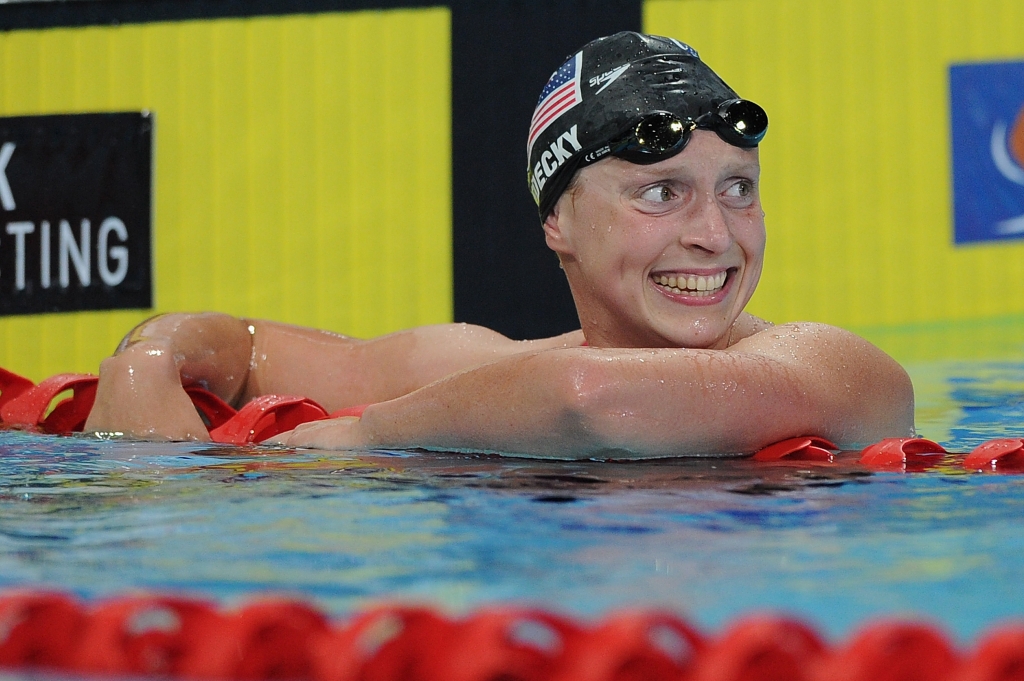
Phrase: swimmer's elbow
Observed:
(589, 410)
(901, 399)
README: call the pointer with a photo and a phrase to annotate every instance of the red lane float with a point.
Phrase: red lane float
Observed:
(892, 651)
(997, 455)
(505, 643)
(146, 635)
(632, 645)
(763, 648)
(266, 416)
(999, 657)
(810, 448)
(902, 454)
(267, 639)
(388, 642)
(165, 637)
(215, 411)
(26, 406)
(29, 409)
(39, 629)
(12, 385)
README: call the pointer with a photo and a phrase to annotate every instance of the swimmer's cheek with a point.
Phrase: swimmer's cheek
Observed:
(340, 433)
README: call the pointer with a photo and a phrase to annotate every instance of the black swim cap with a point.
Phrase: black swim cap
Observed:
(605, 88)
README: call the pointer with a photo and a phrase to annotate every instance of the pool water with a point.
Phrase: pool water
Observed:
(836, 545)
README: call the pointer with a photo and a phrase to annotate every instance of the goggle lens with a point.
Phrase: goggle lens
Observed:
(655, 137)
(743, 123)
(659, 132)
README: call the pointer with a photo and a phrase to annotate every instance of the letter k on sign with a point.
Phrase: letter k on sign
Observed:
(6, 197)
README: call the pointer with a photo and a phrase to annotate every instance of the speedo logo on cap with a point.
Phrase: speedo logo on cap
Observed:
(557, 153)
(608, 77)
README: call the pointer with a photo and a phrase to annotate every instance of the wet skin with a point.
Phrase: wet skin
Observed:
(697, 213)
(671, 369)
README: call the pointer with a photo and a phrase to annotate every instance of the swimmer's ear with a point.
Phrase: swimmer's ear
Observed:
(555, 231)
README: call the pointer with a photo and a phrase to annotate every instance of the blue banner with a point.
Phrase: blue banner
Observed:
(987, 118)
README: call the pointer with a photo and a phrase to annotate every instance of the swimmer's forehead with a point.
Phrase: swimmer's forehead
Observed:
(730, 161)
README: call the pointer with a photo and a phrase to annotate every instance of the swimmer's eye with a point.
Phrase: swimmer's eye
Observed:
(740, 189)
(657, 194)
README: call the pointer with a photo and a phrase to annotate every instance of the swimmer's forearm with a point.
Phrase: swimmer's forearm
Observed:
(619, 404)
(509, 406)
(518, 405)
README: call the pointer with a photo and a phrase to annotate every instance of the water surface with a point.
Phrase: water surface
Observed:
(835, 545)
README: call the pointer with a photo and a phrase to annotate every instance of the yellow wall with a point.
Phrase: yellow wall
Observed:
(303, 163)
(856, 164)
(302, 167)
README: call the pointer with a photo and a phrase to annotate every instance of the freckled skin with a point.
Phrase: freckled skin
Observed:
(665, 373)
(694, 213)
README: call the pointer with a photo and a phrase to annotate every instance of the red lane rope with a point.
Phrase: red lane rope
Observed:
(26, 406)
(171, 636)
(279, 639)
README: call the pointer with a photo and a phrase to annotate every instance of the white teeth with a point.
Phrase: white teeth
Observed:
(692, 284)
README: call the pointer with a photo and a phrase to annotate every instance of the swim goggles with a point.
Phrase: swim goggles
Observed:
(661, 134)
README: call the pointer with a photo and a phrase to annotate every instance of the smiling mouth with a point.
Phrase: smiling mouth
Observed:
(691, 284)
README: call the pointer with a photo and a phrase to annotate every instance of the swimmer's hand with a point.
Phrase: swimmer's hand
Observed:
(140, 395)
(346, 432)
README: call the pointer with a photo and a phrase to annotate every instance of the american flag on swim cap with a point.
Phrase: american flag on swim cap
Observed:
(560, 94)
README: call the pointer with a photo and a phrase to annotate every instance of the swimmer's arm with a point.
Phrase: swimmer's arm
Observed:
(140, 391)
(338, 371)
(141, 394)
(783, 382)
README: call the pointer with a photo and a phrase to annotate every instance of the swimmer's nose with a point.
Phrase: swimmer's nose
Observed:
(706, 228)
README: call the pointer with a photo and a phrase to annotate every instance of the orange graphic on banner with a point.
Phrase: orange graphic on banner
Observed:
(1016, 139)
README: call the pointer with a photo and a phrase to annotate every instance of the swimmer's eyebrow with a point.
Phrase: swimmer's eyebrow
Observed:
(645, 174)
(744, 169)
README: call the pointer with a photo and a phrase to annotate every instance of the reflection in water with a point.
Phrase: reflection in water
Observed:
(709, 538)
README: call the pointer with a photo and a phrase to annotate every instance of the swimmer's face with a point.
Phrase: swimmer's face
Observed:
(625, 233)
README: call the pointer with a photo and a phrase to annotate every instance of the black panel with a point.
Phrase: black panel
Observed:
(502, 54)
(75, 199)
(25, 15)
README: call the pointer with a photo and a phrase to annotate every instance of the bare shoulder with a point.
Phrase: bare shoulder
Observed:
(840, 371)
(747, 325)
(799, 341)
(811, 345)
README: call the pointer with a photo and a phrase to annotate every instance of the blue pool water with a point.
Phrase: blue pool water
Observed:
(710, 539)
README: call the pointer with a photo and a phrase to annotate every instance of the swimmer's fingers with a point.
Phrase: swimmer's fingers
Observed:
(340, 433)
